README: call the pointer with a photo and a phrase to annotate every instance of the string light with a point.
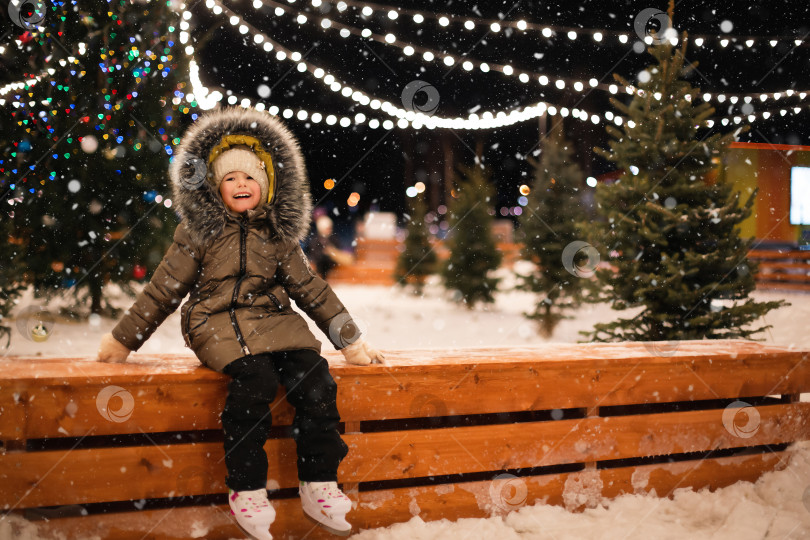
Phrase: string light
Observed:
(430, 55)
(444, 19)
(19, 85)
(405, 119)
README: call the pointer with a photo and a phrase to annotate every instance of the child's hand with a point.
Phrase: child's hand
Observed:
(110, 350)
(359, 353)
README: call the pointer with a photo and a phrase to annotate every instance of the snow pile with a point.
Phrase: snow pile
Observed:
(777, 506)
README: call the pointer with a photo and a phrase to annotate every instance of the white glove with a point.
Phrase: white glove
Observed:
(359, 353)
(111, 350)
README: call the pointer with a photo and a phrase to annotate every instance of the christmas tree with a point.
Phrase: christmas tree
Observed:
(671, 232)
(547, 226)
(89, 136)
(473, 254)
(418, 260)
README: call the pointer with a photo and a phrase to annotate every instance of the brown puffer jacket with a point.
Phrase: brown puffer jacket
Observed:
(241, 270)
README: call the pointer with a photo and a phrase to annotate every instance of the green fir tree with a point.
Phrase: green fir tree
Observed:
(473, 253)
(418, 259)
(671, 233)
(88, 142)
(548, 226)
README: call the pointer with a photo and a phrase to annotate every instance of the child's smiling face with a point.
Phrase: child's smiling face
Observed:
(233, 188)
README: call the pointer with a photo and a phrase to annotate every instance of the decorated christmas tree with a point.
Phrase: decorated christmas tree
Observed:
(548, 226)
(473, 254)
(418, 259)
(670, 231)
(89, 134)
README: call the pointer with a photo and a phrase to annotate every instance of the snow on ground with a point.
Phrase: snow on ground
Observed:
(396, 319)
(775, 507)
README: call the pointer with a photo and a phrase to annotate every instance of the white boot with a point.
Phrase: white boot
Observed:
(253, 512)
(327, 505)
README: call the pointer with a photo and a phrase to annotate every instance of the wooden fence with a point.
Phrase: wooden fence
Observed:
(134, 450)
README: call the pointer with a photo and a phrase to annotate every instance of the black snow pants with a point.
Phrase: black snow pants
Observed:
(247, 417)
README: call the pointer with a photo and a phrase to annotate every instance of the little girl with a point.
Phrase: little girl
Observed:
(241, 190)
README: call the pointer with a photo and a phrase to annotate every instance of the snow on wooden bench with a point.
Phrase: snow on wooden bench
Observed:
(122, 450)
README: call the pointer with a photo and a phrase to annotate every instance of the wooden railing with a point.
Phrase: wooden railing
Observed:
(782, 269)
(121, 450)
(376, 259)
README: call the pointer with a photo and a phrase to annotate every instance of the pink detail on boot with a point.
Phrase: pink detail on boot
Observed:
(233, 497)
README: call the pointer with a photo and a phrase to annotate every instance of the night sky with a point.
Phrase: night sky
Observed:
(380, 165)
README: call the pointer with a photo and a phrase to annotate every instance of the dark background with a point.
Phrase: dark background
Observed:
(230, 60)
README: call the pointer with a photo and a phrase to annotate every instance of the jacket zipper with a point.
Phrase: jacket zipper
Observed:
(242, 268)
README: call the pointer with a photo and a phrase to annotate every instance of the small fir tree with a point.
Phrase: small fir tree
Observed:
(418, 259)
(473, 254)
(547, 226)
(672, 235)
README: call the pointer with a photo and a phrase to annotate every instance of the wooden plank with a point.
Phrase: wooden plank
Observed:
(796, 254)
(783, 276)
(502, 495)
(147, 407)
(517, 385)
(592, 412)
(13, 404)
(365, 275)
(767, 265)
(179, 368)
(173, 393)
(786, 285)
(39, 478)
(213, 522)
(61, 477)
(444, 501)
(350, 488)
(433, 452)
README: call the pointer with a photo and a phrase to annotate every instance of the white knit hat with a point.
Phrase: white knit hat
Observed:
(241, 158)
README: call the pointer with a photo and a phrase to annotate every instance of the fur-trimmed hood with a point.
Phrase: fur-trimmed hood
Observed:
(197, 199)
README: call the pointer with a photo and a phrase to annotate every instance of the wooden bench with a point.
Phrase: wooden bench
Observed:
(782, 269)
(375, 261)
(134, 450)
